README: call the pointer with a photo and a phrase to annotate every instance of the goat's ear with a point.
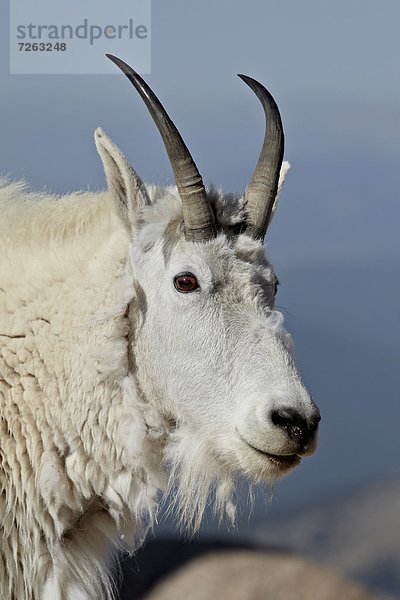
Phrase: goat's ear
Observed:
(124, 183)
(282, 176)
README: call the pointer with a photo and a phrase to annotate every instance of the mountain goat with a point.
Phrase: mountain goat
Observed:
(139, 351)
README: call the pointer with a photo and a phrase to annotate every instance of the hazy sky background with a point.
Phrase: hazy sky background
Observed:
(333, 68)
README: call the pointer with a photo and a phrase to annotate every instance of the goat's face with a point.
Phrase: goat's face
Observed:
(211, 351)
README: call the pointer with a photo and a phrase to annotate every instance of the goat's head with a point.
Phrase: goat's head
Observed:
(209, 347)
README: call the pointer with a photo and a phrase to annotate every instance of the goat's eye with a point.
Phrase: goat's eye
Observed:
(276, 284)
(186, 282)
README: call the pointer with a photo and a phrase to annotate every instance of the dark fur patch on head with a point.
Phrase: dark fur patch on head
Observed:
(229, 211)
(141, 300)
(147, 247)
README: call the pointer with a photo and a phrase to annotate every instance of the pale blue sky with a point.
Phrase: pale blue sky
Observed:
(333, 68)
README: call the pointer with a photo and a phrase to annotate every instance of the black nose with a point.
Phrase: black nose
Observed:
(295, 425)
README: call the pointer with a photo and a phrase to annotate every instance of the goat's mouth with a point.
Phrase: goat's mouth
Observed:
(279, 460)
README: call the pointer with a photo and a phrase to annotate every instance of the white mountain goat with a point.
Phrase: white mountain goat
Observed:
(139, 351)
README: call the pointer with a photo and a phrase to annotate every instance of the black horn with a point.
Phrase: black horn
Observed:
(197, 213)
(262, 189)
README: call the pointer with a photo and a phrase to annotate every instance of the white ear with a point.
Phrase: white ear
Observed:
(282, 176)
(124, 183)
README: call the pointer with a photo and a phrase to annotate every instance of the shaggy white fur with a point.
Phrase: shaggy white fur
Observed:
(88, 428)
(77, 465)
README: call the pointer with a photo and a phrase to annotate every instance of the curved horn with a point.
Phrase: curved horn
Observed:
(262, 189)
(197, 213)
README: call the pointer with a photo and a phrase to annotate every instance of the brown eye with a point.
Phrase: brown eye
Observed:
(186, 282)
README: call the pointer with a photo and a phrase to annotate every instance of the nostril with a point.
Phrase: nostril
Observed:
(286, 417)
(294, 424)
